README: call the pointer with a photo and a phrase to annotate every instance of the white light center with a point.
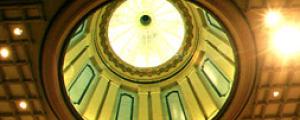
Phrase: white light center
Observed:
(287, 40)
(151, 43)
(18, 31)
(4, 52)
(23, 105)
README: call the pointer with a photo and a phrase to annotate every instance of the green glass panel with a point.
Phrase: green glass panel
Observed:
(215, 26)
(81, 84)
(78, 34)
(216, 78)
(213, 22)
(175, 106)
(125, 107)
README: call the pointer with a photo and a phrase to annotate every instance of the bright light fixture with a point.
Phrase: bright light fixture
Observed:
(4, 52)
(18, 31)
(276, 93)
(23, 105)
(146, 33)
(272, 18)
(286, 40)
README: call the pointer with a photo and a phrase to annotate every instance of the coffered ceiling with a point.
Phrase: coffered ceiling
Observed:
(276, 95)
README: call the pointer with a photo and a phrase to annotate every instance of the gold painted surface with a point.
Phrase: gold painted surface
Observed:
(72, 53)
(223, 64)
(143, 109)
(110, 101)
(190, 100)
(74, 68)
(203, 95)
(157, 113)
(98, 97)
(223, 47)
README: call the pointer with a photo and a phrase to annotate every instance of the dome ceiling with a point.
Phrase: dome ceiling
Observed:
(146, 45)
(146, 33)
(274, 74)
(130, 58)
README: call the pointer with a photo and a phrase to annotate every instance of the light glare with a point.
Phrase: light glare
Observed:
(275, 94)
(272, 18)
(18, 31)
(23, 105)
(287, 40)
(4, 52)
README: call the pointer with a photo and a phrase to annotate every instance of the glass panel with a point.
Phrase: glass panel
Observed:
(213, 22)
(79, 29)
(216, 78)
(125, 107)
(147, 36)
(175, 106)
(78, 34)
(81, 84)
(215, 26)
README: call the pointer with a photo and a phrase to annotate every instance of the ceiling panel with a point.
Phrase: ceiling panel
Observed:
(274, 74)
(17, 85)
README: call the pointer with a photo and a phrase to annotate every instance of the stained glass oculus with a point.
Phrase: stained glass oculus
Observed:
(146, 33)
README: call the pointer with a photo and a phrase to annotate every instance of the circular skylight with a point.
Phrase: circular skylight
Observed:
(146, 33)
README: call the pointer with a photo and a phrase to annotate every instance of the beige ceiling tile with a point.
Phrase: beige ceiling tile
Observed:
(8, 118)
(276, 3)
(268, 119)
(26, 117)
(32, 89)
(293, 93)
(2, 92)
(33, 12)
(264, 77)
(260, 94)
(296, 77)
(5, 106)
(271, 109)
(27, 72)
(280, 77)
(256, 3)
(41, 117)
(273, 61)
(10, 72)
(38, 106)
(289, 108)
(257, 110)
(287, 118)
(269, 61)
(241, 3)
(13, 13)
(3, 33)
(20, 51)
(17, 90)
(295, 3)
